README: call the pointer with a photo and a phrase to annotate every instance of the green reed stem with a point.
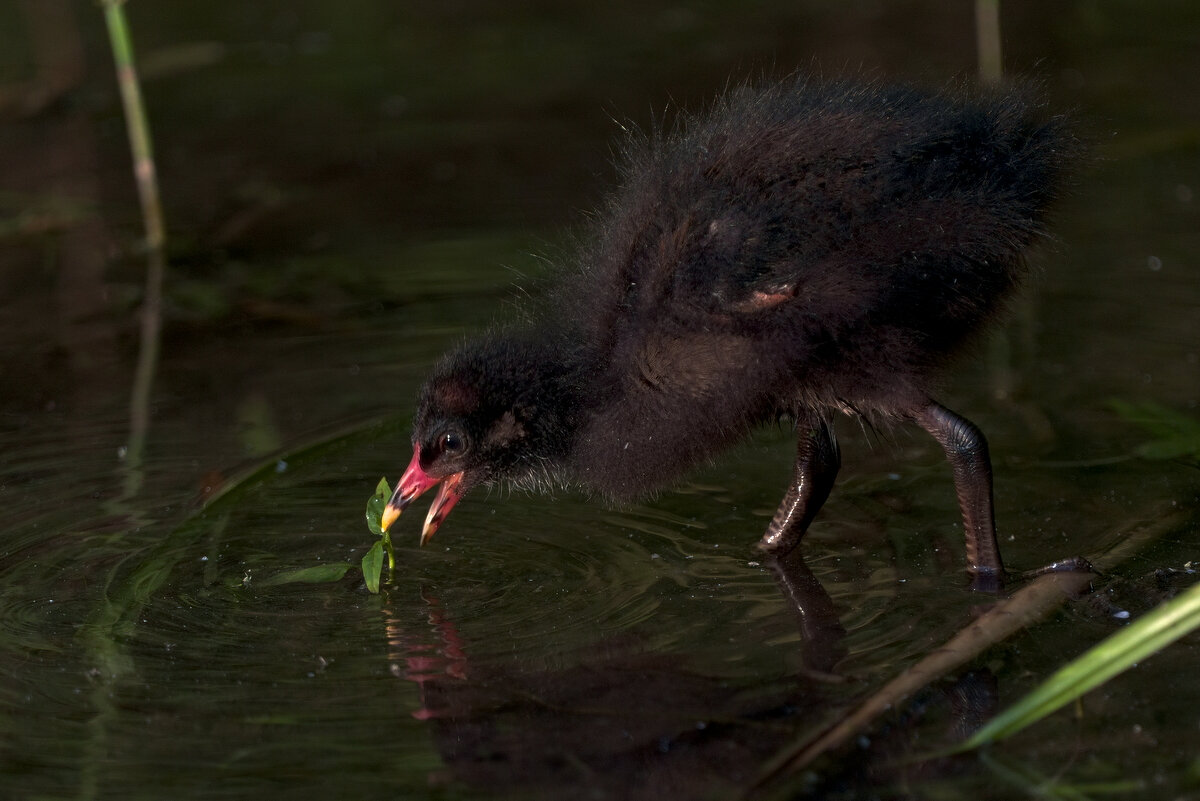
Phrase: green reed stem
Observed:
(146, 178)
(135, 117)
(987, 37)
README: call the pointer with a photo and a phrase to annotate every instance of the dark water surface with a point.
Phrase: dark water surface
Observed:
(352, 187)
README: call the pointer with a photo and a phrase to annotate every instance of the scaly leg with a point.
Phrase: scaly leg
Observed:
(817, 463)
(967, 451)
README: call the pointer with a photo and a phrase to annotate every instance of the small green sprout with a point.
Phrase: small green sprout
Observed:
(372, 563)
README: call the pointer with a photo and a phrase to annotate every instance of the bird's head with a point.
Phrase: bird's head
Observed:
(499, 409)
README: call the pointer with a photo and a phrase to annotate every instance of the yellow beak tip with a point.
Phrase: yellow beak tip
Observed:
(390, 513)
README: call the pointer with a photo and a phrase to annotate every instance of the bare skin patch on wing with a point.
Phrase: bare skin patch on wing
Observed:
(759, 301)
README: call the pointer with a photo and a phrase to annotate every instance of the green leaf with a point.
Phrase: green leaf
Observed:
(1146, 636)
(372, 566)
(319, 574)
(1175, 434)
(1177, 448)
(375, 507)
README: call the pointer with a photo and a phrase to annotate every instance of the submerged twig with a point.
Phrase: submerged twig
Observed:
(1025, 607)
(1116, 653)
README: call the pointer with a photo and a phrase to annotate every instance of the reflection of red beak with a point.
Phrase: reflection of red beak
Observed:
(414, 482)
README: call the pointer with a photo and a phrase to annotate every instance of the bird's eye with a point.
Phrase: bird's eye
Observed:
(452, 442)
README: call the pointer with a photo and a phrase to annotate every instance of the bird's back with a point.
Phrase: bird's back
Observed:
(809, 245)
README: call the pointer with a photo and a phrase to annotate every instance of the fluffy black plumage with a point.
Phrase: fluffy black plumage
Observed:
(802, 249)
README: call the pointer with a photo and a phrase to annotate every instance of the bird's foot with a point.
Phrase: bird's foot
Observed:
(1074, 564)
(988, 580)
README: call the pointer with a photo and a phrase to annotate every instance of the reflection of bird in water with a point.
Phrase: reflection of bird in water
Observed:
(420, 661)
(627, 720)
(800, 251)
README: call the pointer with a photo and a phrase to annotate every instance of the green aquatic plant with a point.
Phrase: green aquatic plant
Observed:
(1174, 434)
(372, 563)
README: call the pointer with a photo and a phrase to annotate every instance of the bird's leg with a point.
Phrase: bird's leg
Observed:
(967, 451)
(817, 463)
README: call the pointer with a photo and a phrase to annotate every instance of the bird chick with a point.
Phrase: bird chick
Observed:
(803, 250)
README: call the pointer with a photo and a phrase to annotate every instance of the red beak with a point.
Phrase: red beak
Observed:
(414, 482)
